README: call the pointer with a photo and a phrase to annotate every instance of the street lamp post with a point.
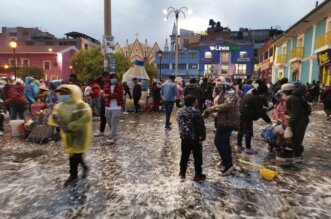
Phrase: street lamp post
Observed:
(171, 10)
(160, 54)
(13, 45)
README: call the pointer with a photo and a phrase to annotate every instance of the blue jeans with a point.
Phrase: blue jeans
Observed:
(168, 106)
(222, 142)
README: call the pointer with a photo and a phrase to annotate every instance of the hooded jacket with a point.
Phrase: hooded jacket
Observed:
(76, 117)
(228, 110)
(31, 89)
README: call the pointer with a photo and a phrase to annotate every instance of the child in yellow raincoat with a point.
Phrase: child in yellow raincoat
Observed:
(74, 117)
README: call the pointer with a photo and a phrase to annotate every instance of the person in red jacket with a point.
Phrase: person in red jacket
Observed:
(113, 96)
(95, 100)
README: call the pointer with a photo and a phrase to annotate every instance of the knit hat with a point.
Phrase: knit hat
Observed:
(287, 87)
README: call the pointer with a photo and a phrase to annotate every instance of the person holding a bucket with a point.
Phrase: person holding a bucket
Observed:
(74, 117)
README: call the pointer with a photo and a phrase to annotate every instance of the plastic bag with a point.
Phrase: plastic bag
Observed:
(288, 132)
(268, 133)
(279, 129)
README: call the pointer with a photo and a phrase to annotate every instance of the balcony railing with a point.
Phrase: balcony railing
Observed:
(281, 59)
(296, 53)
(323, 40)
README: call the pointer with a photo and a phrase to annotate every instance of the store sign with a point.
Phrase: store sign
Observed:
(324, 58)
(225, 47)
(243, 59)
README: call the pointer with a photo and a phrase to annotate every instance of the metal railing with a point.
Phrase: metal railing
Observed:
(281, 59)
(296, 53)
(323, 40)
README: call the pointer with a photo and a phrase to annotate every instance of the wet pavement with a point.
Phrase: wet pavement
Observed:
(137, 177)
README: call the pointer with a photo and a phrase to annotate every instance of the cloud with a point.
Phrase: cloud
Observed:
(146, 18)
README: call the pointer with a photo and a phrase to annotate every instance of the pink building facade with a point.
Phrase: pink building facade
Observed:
(54, 60)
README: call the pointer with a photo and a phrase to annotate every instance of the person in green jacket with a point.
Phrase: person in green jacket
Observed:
(74, 117)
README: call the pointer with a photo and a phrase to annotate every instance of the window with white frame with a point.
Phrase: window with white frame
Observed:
(240, 68)
(25, 62)
(54, 77)
(300, 41)
(193, 66)
(224, 69)
(46, 65)
(208, 68)
(12, 62)
(208, 55)
(243, 54)
(225, 57)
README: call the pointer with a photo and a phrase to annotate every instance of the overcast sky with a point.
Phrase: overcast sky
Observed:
(146, 18)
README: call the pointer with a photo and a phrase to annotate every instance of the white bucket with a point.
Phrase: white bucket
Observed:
(14, 124)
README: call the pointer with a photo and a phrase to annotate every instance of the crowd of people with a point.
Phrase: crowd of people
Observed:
(233, 104)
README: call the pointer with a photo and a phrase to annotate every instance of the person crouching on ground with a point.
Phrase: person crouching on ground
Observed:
(74, 117)
(192, 132)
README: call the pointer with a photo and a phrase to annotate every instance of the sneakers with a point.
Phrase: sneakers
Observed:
(182, 175)
(250, 151)
(70, 181)
(110, 141)
(227, 171)
(200, 177)
(168, 128)
(98, 134)
(298, 159)
(1, 133)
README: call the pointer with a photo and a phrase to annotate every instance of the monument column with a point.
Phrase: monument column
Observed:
(108, 39)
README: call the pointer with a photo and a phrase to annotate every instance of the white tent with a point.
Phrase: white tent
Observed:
(138, 71)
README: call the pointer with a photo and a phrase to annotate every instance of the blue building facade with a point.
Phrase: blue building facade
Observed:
(231, 58)
(188, 63)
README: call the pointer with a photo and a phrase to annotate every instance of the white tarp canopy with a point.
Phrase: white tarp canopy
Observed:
(136, 71)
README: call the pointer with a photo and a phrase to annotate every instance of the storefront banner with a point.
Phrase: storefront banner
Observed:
(324, 58)
(243, 60)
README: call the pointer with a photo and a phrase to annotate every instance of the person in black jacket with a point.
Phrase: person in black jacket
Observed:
(252, 107)
(297, 111)
(196, 91)
(136, 94)
(207, 90)
(192, 132)
(326, 100)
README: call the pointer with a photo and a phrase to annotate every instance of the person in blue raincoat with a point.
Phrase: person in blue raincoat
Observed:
(30, 90)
